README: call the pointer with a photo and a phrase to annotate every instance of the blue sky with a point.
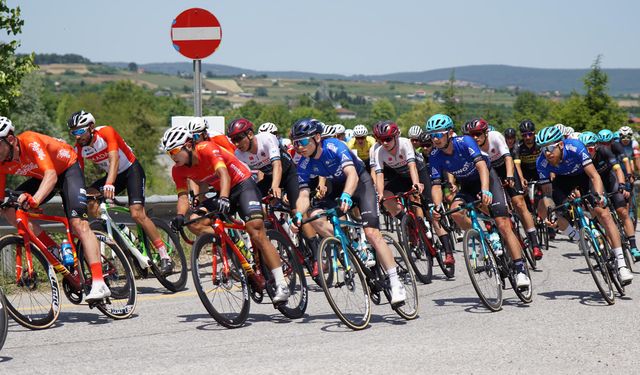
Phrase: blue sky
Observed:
(347, 36)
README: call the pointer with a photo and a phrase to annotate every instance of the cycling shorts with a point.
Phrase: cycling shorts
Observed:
(470, 190)
(517, 188)
(288, 182)
(611, 185)
(245, 200)
(133, 179)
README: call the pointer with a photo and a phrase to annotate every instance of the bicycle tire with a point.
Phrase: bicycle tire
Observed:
(449, 271)
(525, 295)
(409, 310)
(527, 249)
(297, 303)
(117, 274)
(599, 270)
(139, 272)
(4, 320)
(354, 283)
(478, 264)
(205, 251)
(44, 304)
(177, 279)
(420, 258)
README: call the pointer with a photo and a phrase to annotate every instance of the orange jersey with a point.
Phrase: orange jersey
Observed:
(210, 157)
(38, 153)
(222, 141)
(106, 139)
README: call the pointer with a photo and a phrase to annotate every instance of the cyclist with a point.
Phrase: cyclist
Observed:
(210, 165)
(573, 167)
(631, 147)
(328, 131)
(340, 132)
(199, 129)
(51, 164)
(494, 144)
(361, 142)
(461, 157)
(510, 138)
(269, 127)
(350, 181)
(415, 135)
(106, 149)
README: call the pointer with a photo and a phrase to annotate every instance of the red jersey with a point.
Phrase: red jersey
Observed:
(210, 156)
(106, 139)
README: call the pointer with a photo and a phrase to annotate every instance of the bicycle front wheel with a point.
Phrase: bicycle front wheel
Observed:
(420, 258)
(177, 278)
(409, 310)
(4, 320)
(347, 290)
(482, 268)
(597, 265)
(32, 298)
(223, 292)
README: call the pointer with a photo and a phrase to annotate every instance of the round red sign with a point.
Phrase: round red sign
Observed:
(196, 33)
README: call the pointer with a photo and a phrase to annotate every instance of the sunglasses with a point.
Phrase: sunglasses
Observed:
(549, 148)
(174, 151)
(238, 138)
(302, 142)
(427, 144)
(527, 134)
(626, 138)
(476, 134)
(386, 139)
(439, 134)
(79, 131)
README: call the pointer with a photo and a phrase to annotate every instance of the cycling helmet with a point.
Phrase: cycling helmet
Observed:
(80, 119)
(348, 134)
(616, 136)
(197, 125)
(286, 142)
(475, 125)
(550, 134)
(588, 138)
(6, 127)
(425, 137)
(415, 132)
(268, 127)
(439, 122)
(626, 131)
(605, 135)
(239, 126)
(561, 127)
(527, 126)
(568, 130)
(385, 129)
(175, 137)
(360, 131)
(510, 133)
(492, 128)
(306, 127)
(328, 131)
(340, 129)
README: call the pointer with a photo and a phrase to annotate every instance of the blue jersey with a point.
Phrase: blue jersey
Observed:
(461, 164)
(574, 158)
(334, 158)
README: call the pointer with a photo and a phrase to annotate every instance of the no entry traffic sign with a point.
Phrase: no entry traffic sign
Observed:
(196, 33)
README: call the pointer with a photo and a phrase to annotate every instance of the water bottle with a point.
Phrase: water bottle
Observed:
(427, 226)
(494, 239)
(67, 253)
(241, 245)
(127, 232)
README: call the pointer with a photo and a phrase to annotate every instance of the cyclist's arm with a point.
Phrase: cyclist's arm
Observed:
(352, 179)
(547, 199)
(302, 204)
(627, 166)
(519, 169)
(636, 159)
(225, 180)
(619, 175)
(596, 181)
(413, 172)
(183, 203)
(379, 180)
(483, 170)
(277, 173)
(114, 160)
(508, 160)
(49, 181)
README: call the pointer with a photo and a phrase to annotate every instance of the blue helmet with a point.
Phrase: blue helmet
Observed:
(306, 127)
(588, 138)
(550, 134)
(616, 136)
(438, 123)
(605, 135)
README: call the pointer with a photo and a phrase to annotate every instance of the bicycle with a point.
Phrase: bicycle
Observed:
(542, 232)
(141, 255)
(626, 246)
(483, 266)
(28, 273)
(4, 320)
(347, 275)
(220, 271)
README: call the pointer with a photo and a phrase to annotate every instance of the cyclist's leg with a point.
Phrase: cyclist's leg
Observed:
(500, 211)
(620, 204)
(516, 194)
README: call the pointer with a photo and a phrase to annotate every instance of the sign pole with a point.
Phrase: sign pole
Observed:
(197, 88)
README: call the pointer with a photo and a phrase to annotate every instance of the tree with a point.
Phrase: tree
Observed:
(261, 92)
(383, 110)
(133, 67)
(603, 111)
(418, 115)
(12, 68)
(531, 106)
(30, 112)
(452, 105)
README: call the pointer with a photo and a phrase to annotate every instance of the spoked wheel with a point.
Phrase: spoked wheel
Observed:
(597, 266)
(293, 274)
(527, 249)
(482, 268)
(524, 294)
(449, 271)
(409, 309)
(4, 320)
(118, 276)
(543, 234)
(420, 258)
(32, 298)
(177, 278)
(347, 290)
(223, 290)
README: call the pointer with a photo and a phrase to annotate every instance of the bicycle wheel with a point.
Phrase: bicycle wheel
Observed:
(527, 250)
(4, 320)
(117, 274)
(543, 234)
(421, 260)
(32, 299)
(409, 310)
(482, 269)
(597, 265)
(633, 209)
(449, 271)
(177, 278)
(293, 274)
(347, 291)
(224, 293)
(524, 294)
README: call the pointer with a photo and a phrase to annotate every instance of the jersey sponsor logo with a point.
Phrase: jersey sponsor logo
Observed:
(570, 147)
(471, 151)
(263, 154)
(63, 154)
(35, 147)
(24, 169)
(585, 156)
(343, 159)
(332, 147)
(201, 146)
(434, 171)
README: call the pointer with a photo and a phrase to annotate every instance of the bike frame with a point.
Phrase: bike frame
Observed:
(141, 254)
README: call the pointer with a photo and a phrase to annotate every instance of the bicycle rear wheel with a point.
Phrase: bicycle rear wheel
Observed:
(449, 271)
(527, 249)
(597, 266)
(347, 291)
(177, 278)
(482, 269)
(33, 300)
(4, 320)
(409, 310)
(543, 234)
(224, 293)
(420, 258)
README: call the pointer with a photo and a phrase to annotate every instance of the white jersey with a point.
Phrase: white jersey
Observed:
(373, 151)
(398, 160)
(268, 151)
(498, 148)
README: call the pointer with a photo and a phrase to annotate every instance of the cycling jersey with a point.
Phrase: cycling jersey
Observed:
(210, 157)
(267, 152)
(222, 141)
(632, 149)
(362, 151)
(398, 159)
(373, 151)
(528, 158)
(574, 158)
(334, 158)
(461, 163)
(104, 140)
(604, 160)
(498, 149)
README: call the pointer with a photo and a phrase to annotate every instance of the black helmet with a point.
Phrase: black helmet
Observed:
(306, 127)
(510, 133)
(527, 126)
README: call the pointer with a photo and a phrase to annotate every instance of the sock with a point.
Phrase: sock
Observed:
(446, 242)
(96, 272)
(46, 240)
(278, 275)
(570, 232)
(531, 235)
(519, 263)
(162, 249)
(393, 277)
(632, 241)
(620, 256)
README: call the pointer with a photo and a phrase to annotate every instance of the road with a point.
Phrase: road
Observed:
(567, 329)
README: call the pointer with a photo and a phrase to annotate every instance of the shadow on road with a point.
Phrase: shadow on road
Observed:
(5, 359)
(587, 298)
(475, 306)
(151, 290)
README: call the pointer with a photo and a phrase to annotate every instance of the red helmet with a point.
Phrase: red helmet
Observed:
(385, 129)
(238, 126)
(476, 125)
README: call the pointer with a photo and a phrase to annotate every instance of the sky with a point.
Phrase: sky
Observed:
(346, 36)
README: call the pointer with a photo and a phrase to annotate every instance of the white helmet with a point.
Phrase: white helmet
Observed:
(80, 119)
(625, 131)
(197, 125)
(415, 131)
(340, 129)
(568, 130)
(175, 137)
(360, 131)
(328, 131)
(268, 127)
(561, 127)
(5, 127)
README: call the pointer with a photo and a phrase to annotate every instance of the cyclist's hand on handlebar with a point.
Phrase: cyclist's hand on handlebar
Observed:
(27, 202)
(601, 200)
(486, 196)
(436, 212)
(524, 183)
(419, 187)
(295, 222)
(177, 222)
(276, 192)
(109, 191)
(510, 181)
(221, 205)
(321, 191)
(345, 202)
